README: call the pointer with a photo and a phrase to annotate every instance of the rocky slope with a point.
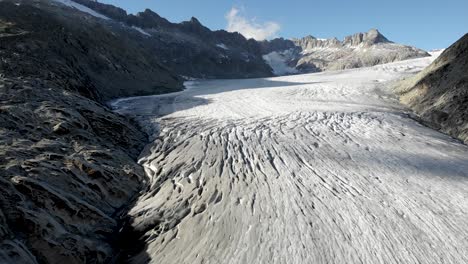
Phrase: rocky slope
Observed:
(310, 54)
(77, 52)
(67, 172)
(189, 48)
(439, 94)
(68, 166)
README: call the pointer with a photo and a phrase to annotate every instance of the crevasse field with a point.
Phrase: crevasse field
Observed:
(316, 168)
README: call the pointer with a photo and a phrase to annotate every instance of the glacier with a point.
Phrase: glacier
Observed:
(317, 168)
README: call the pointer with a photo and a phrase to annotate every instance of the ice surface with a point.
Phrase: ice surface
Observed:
(316, 168)
(81, 8)
(437, 52)
(278, 62)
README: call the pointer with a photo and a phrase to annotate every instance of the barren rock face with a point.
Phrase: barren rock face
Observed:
(189, 48)
(78, 53)
(439, 94)
(311, 42)
(371, 37)
(67, 170)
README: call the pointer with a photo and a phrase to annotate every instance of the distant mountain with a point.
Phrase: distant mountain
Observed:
(191, 50)
(103, 53)
(310, 54)
(439, 94)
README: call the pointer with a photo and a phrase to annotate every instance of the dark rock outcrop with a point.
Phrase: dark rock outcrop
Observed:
(68, 167)
(439, 94)
(78, 53)
(67, 171)
(278, 44)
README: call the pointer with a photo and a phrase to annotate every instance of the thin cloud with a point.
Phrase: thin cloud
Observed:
(236, 22)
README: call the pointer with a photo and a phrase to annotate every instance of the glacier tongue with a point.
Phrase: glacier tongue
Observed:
(278, 61)
(317, 168)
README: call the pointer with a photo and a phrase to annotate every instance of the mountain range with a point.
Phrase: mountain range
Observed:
(68, 164)
(307, 54)
(310, 54)
(105, 43)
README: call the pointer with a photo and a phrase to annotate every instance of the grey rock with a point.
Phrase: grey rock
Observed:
(189, 48)
(64, 47)
(358, 50)
(369, 38)
(67, 172)
(439, 94)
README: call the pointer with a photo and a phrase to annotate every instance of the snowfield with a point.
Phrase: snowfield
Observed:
(316, 168)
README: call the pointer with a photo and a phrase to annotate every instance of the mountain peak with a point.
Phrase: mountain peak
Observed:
(150, 19)
(311, 42)
(373, 31)
(194, 20)
(309, 37)
(374, 36)
(371, 37)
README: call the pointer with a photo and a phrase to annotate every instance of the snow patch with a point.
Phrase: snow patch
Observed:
(141, 31)
(222, 45)
(82, 8)
(190, 84)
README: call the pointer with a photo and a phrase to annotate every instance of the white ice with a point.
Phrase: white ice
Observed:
(316, 168)
(222, 45)
(278, 62)
(141, 31)
(82, 8)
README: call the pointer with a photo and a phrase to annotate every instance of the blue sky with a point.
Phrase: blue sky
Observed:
(425, 24)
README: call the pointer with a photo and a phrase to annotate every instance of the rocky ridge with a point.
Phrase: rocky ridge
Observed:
(67, 173)
(310, 54)
(189, 48)
(78, 53)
